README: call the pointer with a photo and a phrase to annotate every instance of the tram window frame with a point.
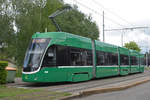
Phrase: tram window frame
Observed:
(124, 59)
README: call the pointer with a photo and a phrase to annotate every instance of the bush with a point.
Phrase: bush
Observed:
(3, 72)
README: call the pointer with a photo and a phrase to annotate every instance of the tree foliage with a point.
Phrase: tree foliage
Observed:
(7, 35)
(78, 23)
(132, 45)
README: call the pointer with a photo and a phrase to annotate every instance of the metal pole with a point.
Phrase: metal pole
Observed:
(103, 28)
(45, 29)
(122, 39)
(146, 59)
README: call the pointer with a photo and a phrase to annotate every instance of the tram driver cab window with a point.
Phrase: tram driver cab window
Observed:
(50, 57)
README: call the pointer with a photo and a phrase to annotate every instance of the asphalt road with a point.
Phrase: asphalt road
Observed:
(140, 92)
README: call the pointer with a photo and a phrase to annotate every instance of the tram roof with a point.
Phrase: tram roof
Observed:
(64, 38)
(76, 40)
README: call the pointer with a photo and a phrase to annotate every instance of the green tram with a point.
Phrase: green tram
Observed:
(64, 57)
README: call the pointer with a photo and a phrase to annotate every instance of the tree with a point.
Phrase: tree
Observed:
(78, 23)
(132, 45)
(31, 17)
(7, 36)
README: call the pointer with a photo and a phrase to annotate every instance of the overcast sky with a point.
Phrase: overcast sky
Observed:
(120, 14)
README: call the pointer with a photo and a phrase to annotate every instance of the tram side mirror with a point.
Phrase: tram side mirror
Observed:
(50, 54)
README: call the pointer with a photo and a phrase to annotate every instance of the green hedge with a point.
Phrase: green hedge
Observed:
(3, 72)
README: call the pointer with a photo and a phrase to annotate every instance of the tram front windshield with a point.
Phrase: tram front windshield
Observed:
(34, 54)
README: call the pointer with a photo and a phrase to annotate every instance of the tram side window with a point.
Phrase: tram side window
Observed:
(137, 61)
(100, 58)
(83, 57)
(124, 59)
(62, 55)
(134, 60)
(75, 56)
(106, 58)
(113, 59)
(50, 57)
(80, 57)
(143, 61)
(89, 57)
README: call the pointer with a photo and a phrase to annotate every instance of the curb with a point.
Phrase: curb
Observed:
(114, 88)
(71, 96)
(104, 90)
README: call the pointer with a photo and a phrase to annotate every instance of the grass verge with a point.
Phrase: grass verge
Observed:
(147, 68)
(11, 93)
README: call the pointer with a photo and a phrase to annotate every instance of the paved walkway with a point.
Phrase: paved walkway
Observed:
(141, 92)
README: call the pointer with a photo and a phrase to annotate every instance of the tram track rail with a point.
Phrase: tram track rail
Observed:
(100, 82)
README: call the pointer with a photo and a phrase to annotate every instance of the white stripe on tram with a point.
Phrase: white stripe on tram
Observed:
(74, 66)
